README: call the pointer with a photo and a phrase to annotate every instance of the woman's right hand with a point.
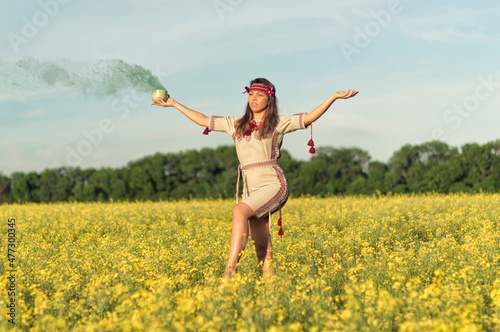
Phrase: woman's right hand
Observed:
(169, 102)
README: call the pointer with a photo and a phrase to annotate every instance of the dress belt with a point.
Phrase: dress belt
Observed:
(246, 167)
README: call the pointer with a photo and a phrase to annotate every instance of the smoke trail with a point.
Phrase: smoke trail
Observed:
(99, 78)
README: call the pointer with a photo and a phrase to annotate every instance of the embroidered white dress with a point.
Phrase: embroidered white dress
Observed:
(264, 183)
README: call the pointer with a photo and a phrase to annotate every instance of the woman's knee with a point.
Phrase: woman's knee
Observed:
(243, 210)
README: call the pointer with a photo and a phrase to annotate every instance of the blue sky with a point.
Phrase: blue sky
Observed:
(425, 70)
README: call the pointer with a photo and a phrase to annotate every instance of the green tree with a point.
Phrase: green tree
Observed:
(55, 185)
(83, 191)
(483, 165)
(291, 167)
(25, 187)
(332, 170)
(119, 190)
(431, 166)
(147, 177)
(100, 182)
(400, 165)
(4, 189)
(378, 178)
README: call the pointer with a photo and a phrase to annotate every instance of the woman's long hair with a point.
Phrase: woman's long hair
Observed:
(270, 120)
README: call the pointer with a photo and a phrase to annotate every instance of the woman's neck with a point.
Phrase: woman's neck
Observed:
(259, 116)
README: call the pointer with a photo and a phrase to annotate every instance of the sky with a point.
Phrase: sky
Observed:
(76, 76)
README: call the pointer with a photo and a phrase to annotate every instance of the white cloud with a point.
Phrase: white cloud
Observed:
(453, 35)
(37, 113)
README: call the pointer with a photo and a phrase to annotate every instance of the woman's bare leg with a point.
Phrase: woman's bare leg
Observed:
(239, 234)
(263, 246)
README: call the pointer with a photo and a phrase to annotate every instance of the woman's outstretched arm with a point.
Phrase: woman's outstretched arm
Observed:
(192, 115)
(318, 111)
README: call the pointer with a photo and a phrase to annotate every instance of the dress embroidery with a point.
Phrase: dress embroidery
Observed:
(275, 145)
(211, 122)
(254, 125)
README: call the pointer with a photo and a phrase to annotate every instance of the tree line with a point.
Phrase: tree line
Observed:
(211, 173)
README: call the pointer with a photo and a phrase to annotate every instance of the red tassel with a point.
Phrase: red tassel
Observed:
(280, 233)
(206, 131)
(279, 220)
(312, 150)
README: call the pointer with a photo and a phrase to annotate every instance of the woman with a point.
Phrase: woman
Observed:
(257, 135)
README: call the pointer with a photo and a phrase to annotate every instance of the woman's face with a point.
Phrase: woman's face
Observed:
(258, 101)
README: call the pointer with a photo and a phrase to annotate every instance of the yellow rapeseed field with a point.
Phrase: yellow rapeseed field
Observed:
(407, 263)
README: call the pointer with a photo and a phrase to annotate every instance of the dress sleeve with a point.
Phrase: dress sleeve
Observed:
(221, 123)
(289, 123)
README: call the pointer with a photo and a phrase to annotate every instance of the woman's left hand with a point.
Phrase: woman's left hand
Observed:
(345, 95)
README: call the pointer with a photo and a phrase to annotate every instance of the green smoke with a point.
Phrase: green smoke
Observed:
(100, 78)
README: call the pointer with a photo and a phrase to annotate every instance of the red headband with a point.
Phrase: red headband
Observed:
(260, 87)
